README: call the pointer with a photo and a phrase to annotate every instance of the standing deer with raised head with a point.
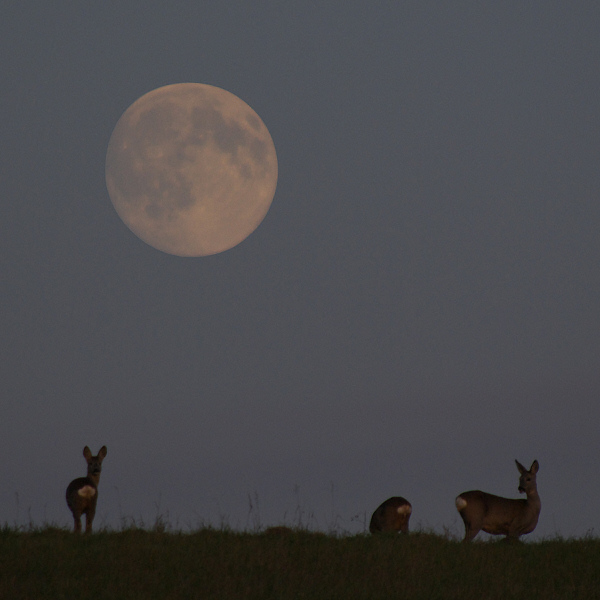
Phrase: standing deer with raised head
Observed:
(82, 493)
(391, 515)
(502, 516)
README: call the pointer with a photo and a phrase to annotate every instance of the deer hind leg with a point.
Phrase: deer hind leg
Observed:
(470, 533)
(76, 522)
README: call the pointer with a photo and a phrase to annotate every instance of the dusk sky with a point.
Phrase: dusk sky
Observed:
(419, 308)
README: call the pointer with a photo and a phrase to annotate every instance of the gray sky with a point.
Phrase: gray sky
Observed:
(419, 307)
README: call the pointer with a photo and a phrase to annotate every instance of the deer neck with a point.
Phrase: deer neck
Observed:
(533, 499)
(95, 478)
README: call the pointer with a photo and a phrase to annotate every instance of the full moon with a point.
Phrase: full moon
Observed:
(191, 169)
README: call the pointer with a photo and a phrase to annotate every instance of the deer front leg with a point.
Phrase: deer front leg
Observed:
(76, 523)
(89, 518)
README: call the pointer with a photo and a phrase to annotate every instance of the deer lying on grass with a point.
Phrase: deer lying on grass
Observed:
(502, 516)
(391, 515)
(82, 493)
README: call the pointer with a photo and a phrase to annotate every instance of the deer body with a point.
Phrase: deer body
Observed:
(391, 515)
(502, 516)
(82, 493)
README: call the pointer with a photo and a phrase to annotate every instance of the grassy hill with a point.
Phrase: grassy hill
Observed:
(52, 563)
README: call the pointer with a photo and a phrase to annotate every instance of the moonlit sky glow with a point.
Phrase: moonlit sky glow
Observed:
(419, 307)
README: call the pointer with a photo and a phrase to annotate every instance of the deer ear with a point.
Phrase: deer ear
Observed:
(87, 453)
(521, 468)
(534, 466)
(102, 452)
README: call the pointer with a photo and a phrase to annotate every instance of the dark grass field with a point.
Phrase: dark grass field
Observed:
(52, 563)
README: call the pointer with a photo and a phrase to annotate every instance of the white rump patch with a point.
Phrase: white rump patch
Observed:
(87, 491)
(405, 509)
(460, 503)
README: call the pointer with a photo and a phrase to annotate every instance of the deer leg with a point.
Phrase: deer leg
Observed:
(89, 517)
(77, 523)
(512, 537)
(470, 533)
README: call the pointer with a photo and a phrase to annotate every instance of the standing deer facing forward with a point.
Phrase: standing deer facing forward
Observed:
(502, 516)
(391, 515)
(82, 493)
